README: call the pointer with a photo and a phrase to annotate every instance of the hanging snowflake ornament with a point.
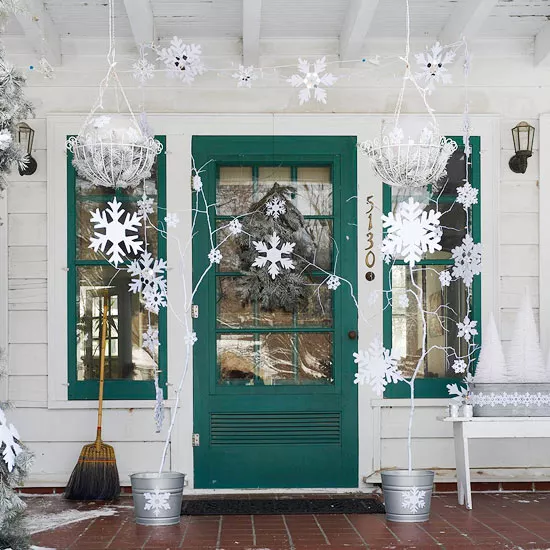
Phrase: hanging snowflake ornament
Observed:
(143, 70)
(445, 278)
(466, 329)
(190, 338)
(459, 366)
(157, 501)
(273, 255)
(145, 205)
(154, 300)
(313, 80)
(150, 339)
(148, 275)
(432, 64)
(413, 499)
(215, 256)
(9, 442)
(377, 366)
(235, 227)
(245, 76)
(333, 282)
(467, 258)
(275, 207)
(467, 195)
(120, 237)
(171, 220)
(197, 183)
(182, 60)
(411, 231)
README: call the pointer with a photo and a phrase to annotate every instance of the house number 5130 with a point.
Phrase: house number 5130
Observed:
(370, 257)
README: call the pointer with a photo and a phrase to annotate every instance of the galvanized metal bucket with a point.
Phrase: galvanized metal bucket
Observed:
(511, 399)
(407, 495)
(157, 498)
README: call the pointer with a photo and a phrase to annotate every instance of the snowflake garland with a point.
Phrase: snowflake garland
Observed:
(377, 366)
(275, 207)
(9, 442)
(245, 76)
(157, 502)
(432, 66)
(273, 255)
(504, 399)
(466, 329)
(312, 78)
(411, 232)
(215, 256)
(149, 277)
(182, 60)
(145, 206)
(171, 220)
(117, 234)
(467, 195)
(445, 278)
(333, 282)
(413, 499)
(151, 339)
(467, 259)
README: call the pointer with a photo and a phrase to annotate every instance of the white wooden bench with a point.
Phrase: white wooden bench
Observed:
(483, 428)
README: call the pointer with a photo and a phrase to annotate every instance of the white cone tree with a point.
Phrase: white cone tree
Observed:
(491, 365)
(525, 361)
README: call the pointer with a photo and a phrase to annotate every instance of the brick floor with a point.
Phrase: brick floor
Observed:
(519, 521)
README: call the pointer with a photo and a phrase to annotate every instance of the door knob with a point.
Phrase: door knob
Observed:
(352, 334)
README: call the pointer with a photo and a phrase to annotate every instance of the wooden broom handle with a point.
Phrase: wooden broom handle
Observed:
(103, 345)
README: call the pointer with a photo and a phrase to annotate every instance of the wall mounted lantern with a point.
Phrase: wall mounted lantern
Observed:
(523, 135)
(25, 137)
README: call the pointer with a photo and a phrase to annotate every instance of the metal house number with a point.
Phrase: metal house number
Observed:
(370, 257)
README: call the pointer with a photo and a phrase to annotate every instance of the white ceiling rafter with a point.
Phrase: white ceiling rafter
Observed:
(356, 27)
(542, 45)
(142, 21)
(466, 19)
(40, 30)
(252, 19)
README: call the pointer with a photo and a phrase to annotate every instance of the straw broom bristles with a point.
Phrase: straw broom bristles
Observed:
(95, 476)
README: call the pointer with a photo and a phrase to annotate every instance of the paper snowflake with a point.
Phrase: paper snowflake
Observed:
(171, 220)
(9, 441)
(432, 66)
(467, 195)
(182, 60)
(157, 501)
(235, 226)
(273, 255)
(413, 499)
(215, 256)
(245, 76)
(445, 278)
(459, 366)
(404, 301)
(143, 70)
(466, 329)
(411, 232)
(148, 275)
(333, 282)
(154, 300)
(190, 338)
(120, 238)
(275, 207)
(467, 259)
(197, 183)
(377, 366)
(145, 206)
(312, 78)
(151, 339)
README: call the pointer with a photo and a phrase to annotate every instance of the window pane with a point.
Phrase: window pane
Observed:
(314, 191)
(127, 321)
(444, 308)
(456, 173)
(320, 232)
(235, 190)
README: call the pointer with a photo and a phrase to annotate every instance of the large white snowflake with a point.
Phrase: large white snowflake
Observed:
(117, 234)
(411, 232)
(467, 195)
(467, 329)
(9, 441)
(312, 79)
(432, 66)
(182, 60)
(157, 501)
(245, 76)
(275, 207)
(467, 259)
(377, 366)
(273, 255)
(413, 499)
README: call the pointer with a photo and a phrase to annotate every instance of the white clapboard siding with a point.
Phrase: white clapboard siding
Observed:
(28, 359)
(512, 288)
(27, 294)
(27, 197)
(27, 229)
(28, 327)
(394, 423)
(531, 173)
(29, 388)
(519, 229)
(519, 260)
(519, 196)
(27, 262)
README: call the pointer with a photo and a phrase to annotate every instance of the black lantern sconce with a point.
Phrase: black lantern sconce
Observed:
(523, 135)
(25, 137)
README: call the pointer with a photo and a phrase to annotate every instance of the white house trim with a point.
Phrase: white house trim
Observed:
(4, 289)
(544, 232)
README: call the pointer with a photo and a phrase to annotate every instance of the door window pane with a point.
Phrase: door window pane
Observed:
(314, 190)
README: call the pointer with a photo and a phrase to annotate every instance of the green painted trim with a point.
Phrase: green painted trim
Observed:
(114, 389)
(436, 387)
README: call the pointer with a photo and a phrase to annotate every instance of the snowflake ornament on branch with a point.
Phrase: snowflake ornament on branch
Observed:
(183, 61)
(467, 195)
(466, 329)
(467, 258)
(235, 227)
(459, 366)
(445, 278)
(312, 78)
(215, 256)
(273, 255)
(377, 366)
(333, 282)
(275, 207)
(197, 183)
(245, 76)
(120, 237)
(145, 205)
(171, 220)
(432, 66)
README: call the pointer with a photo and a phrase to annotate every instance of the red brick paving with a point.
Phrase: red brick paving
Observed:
(505, 521)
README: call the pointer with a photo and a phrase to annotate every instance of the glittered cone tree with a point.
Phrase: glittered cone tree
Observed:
(491, 365)
(275, 214)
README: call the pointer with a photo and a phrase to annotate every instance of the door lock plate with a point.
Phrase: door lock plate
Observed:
(196, 440)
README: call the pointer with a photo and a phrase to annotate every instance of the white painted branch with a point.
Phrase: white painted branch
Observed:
(466, 20)
(356, 26)
(252, 21)
(142, 21)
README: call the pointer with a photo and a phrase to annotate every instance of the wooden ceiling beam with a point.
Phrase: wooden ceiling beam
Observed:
(466, 20)
(252, 22)
(356, 27)
(142, 21)
(40, 31)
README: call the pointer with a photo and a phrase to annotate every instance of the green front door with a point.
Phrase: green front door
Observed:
(274, 400)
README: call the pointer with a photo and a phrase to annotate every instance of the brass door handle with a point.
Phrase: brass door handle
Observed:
(352, 334)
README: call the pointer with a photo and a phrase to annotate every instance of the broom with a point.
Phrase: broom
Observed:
(95, 476)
